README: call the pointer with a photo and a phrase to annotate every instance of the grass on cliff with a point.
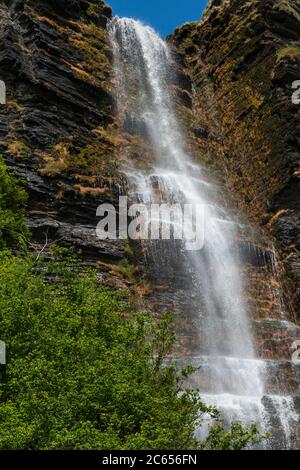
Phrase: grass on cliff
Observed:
(289, 51)
(84, 370)
(94, 159)
(94, 65)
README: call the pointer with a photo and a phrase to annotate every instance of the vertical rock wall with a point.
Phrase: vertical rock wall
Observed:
(243, 59)
(57, 129)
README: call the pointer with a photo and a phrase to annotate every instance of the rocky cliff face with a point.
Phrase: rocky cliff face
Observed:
(243, 59)
(57, 129)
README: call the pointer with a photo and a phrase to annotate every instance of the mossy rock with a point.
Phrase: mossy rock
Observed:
(288, 51)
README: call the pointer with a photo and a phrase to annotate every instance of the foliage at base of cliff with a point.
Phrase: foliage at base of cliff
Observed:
(85, 373)
(80, 374)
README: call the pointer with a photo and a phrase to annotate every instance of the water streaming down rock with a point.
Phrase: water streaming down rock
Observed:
(231, 377)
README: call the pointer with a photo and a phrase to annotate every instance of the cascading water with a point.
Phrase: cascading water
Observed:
(234, 377)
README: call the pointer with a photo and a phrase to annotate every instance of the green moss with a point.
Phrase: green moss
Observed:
(268, 324)
(128, 250)
(56, 161)
(128, 270)
(94, 159)
(93, 10)
(94, 65)
(288, 51)
(287, 7)
(18, 149)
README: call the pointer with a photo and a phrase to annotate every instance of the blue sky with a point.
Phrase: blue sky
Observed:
(163, 15)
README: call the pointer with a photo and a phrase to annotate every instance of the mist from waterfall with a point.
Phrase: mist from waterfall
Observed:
(143, 65)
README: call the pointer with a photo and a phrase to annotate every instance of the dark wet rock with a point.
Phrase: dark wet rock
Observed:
(82, 237)
(185, 98)
(184, 81)
(201, 133)
(135, 126)
(250, 252)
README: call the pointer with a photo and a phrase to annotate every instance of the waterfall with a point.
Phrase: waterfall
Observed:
(231, 376)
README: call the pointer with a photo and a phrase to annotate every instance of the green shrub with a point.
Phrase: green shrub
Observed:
(288, 51)
(12, 201)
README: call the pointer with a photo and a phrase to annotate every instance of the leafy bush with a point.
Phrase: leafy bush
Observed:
(81, 374)
(12, 202)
